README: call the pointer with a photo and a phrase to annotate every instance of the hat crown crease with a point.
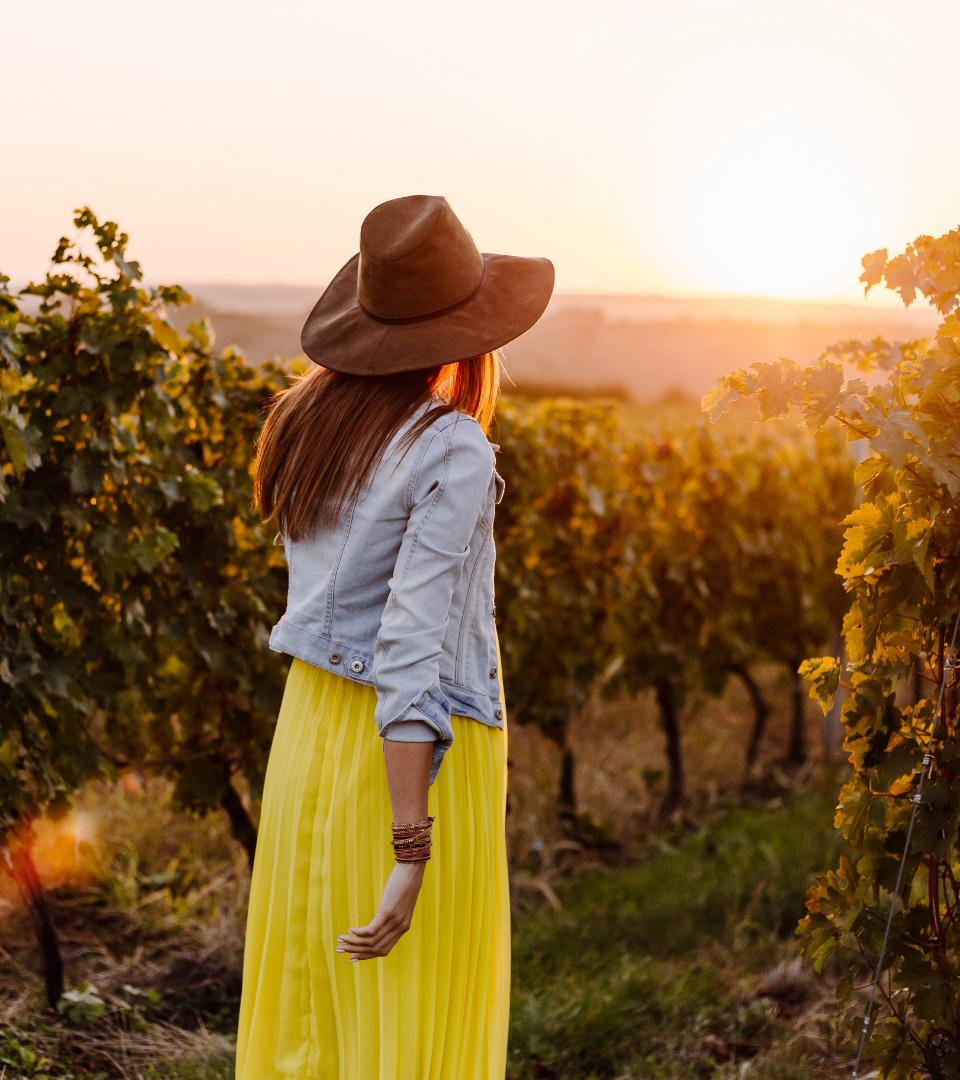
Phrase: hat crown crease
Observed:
(416, 258)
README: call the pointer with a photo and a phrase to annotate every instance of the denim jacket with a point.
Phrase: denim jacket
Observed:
(400, 594)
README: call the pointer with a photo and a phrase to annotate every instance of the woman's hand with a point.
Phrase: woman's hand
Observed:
(393, 916)
(408, 770)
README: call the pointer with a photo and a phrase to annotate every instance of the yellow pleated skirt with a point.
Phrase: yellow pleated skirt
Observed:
(436, 1007)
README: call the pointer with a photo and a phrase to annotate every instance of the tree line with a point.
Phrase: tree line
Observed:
(668, 563)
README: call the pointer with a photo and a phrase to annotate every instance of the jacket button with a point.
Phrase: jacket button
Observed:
(493, 673)
(335, 658)
(498, 714)
(356, 665)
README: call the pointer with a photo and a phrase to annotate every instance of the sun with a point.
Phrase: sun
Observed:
(771, 219)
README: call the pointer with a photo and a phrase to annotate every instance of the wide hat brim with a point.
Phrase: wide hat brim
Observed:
(340, 334)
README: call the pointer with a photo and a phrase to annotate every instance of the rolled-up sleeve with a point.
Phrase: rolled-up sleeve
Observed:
(446, 499)
(410, 730)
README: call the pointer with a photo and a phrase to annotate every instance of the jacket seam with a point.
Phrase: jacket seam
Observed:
(438, 427)
(328, 616)
(415, 541)
(353, 650)
(469, 608)
(438, 495)
(415, 477)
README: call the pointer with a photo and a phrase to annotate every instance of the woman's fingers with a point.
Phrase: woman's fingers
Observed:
(372, 928)
(375, 939)
(357, 957)
(353, 945)
(382, 923)
(378, 948)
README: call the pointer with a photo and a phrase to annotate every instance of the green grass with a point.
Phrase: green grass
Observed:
(179, 1070)
(670, 969)
(682, 965)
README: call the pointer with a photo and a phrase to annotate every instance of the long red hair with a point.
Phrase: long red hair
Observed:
(326, 431)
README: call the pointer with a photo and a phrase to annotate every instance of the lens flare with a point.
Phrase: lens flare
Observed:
(64, 851)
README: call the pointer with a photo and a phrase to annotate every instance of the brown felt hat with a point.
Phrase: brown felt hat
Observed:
(419, 293)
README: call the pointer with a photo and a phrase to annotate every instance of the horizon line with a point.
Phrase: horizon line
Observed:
(842, 300)
(880, 297)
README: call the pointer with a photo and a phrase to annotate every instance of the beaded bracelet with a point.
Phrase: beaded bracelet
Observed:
(412, 840)
(426, 823)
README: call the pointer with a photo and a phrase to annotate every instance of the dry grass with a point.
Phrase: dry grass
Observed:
(137, 1055)
(620, 763)
(152, 920)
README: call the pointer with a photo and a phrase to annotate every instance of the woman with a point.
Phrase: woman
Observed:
(361, 962)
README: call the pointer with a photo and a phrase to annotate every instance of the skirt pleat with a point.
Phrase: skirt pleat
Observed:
(437, 1006)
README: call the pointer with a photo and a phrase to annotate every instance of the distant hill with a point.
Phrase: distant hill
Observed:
(649, 345)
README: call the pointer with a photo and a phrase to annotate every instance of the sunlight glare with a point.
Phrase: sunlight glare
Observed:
(771, 221)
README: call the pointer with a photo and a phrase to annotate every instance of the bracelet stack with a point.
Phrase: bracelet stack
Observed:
(412, 841)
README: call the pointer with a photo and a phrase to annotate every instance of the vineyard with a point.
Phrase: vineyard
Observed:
(138, 589)
(900, 564)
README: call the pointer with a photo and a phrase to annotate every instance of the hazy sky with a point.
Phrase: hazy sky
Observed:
(682, 146)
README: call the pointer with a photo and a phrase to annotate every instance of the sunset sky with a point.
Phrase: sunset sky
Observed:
(689, 147)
